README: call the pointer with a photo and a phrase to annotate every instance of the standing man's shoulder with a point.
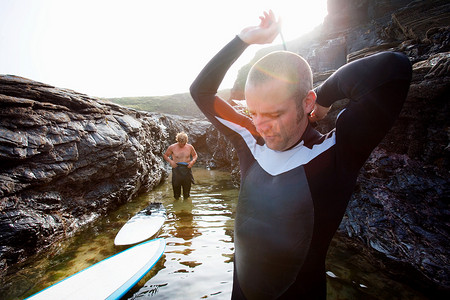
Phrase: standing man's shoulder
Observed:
(170, 149)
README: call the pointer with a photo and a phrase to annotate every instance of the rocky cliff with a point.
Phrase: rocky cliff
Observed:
(399, 212)
(66, 158)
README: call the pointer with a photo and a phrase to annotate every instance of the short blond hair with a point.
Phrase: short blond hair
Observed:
(284, 66)
(182, 137)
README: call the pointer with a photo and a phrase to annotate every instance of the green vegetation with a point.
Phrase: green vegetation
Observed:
(178, 104)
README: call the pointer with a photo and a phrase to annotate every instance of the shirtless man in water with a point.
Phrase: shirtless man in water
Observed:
(181, 162)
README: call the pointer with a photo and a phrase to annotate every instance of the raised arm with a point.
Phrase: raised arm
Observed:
(205, 86)
(377, 87)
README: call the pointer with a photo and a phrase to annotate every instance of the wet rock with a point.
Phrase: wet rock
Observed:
(66, 158)
(195, 128)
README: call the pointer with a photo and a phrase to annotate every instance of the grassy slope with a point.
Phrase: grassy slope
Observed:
(178, 104)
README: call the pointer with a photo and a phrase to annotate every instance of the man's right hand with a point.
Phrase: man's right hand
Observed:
(318, 113)
(264, 33)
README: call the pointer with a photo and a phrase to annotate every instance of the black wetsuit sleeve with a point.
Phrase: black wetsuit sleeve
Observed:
(377, 87)
(209, 79)
(204, 89)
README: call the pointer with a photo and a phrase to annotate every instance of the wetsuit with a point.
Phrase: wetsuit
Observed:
(291, 202)
(182, 177)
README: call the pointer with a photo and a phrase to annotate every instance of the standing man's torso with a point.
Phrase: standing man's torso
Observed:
(181, 154)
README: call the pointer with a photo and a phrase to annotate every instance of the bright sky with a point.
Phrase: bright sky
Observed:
(109, 48)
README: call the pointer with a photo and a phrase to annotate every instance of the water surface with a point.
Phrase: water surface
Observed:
(198, 260)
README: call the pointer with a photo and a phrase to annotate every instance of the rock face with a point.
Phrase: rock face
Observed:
(400, 207)
(66, 158)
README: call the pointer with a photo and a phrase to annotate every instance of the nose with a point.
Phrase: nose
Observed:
(261, 123)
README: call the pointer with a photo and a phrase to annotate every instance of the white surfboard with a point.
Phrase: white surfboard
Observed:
(110, 278)
(142, 226)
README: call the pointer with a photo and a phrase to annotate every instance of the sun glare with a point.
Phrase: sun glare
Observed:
(111, 48)
(299, 17)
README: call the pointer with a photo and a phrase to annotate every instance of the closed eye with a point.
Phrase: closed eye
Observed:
(267, 115)
(274, 116)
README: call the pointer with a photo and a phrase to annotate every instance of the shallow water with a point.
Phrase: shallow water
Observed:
(197, 263)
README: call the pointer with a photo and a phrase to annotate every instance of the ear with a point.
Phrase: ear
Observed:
(309, 102)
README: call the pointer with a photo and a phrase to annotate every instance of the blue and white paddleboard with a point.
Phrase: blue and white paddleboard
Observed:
(142, 226)
(110, 278)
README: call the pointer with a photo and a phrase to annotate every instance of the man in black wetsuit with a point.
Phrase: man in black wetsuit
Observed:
(296, 182)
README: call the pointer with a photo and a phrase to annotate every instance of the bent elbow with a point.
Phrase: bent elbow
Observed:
(194, 90)
(399, 65)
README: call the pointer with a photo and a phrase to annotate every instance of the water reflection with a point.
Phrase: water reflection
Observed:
(198, 261)
(199, 242)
